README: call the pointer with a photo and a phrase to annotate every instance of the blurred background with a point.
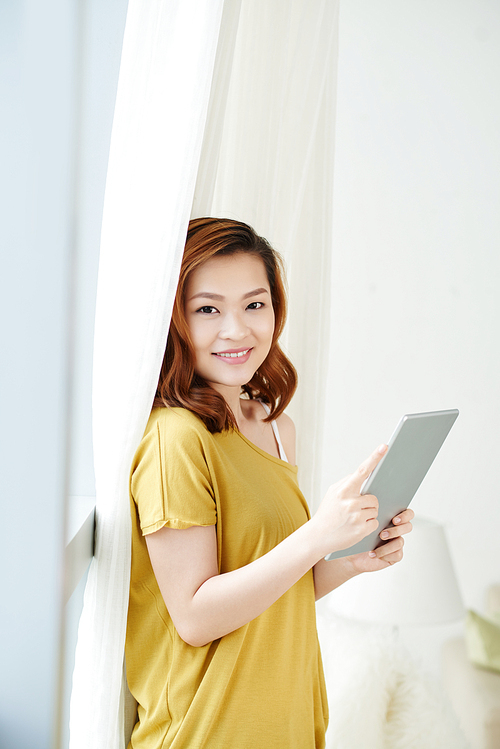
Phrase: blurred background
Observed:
(415, 320)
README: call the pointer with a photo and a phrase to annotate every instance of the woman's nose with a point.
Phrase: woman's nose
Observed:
(234, 328)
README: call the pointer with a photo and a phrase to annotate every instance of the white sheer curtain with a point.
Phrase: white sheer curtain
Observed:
(235, 99)
(155, 149)
(274, 170)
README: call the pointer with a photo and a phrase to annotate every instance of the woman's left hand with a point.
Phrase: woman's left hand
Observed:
(391, 551)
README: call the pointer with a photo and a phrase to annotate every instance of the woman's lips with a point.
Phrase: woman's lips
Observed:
(234, 356)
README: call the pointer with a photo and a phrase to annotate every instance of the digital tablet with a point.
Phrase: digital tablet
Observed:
(413, 446)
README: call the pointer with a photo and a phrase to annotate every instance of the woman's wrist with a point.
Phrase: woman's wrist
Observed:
(350, 566)
(315, 530)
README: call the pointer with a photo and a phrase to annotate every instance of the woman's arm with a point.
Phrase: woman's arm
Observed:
(205, 605)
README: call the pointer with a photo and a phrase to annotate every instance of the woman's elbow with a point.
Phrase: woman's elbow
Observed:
(192, 634)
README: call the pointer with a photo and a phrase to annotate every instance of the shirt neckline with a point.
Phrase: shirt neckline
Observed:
(265, 453)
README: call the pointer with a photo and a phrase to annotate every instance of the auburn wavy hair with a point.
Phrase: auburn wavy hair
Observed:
(179, 384)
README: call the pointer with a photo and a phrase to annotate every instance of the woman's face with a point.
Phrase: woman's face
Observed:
(230, 316)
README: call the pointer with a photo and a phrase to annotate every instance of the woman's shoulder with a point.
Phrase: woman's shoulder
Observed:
(286, 424)
(172, 434)
(172, 421)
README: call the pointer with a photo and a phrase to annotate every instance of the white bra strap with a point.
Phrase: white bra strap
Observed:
(276, 432)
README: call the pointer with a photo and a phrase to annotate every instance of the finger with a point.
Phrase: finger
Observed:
(356, 480)
(371, 525)
(368, 514)
(403, 517)
(391, 547)
(397, 556)
(396, 532)
(368, 502)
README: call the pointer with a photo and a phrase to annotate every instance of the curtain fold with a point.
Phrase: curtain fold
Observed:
(227, 109)
(274, 170)
(156, 141)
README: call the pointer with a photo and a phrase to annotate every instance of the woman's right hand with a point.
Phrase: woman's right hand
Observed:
(345, 516)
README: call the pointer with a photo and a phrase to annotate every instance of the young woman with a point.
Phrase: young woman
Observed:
(221, 649)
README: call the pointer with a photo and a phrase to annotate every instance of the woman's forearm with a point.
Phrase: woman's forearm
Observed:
(227, 601)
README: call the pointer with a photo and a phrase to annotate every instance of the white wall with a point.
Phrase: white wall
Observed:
(58, 76)
(38, 91)
(416, 266)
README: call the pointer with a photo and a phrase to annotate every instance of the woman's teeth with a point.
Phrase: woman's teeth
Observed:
(236, 356)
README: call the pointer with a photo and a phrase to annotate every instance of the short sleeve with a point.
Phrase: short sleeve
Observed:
(170, 481)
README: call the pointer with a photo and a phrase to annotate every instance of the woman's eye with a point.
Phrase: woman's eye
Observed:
(208, 310)
(255, 305)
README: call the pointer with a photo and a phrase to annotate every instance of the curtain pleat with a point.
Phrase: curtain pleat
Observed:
(164, 86)
(275, 171)
(210, 152)
(226, 109)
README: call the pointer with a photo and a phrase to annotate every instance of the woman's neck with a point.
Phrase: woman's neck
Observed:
(233, 400)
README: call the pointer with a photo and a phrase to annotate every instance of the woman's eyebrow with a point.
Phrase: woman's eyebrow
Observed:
(255, 292)
(207, 295)
(219, 298)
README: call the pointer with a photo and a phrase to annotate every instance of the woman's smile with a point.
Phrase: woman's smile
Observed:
(238, 356)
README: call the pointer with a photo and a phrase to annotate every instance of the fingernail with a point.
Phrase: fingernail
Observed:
(382, 449)
(372, 554)
(384, 535)
(396, 520)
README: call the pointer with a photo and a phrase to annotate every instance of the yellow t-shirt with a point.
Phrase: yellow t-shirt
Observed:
(261, 686)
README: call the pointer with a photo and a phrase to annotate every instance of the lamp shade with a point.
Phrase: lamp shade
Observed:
(421, 589)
